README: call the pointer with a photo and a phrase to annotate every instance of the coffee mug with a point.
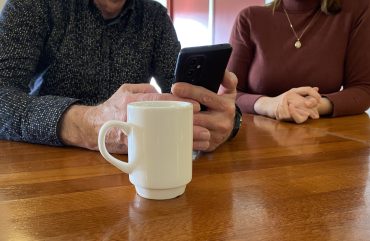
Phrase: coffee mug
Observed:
(160, 140)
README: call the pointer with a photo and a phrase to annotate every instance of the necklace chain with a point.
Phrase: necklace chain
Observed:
(298, 43)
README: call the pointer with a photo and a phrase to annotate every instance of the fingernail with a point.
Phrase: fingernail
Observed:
(205, 135)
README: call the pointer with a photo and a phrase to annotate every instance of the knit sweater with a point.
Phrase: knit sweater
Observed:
(335, 53)
(54, 53)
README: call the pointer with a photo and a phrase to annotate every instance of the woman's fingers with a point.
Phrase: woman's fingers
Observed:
(298, 115)
(307, 91)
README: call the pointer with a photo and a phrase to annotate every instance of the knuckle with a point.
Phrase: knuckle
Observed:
(150, 97)
(206, 99)
(180, 89)
(225, 127)
(286, 95)
(121, 139)
(127, 99)
(125, 87)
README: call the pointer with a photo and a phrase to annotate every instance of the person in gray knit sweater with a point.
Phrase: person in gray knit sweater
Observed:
(67, 67)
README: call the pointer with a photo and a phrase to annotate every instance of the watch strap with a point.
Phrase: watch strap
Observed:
(237, 122)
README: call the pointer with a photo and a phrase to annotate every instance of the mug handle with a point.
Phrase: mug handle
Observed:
(126, 128)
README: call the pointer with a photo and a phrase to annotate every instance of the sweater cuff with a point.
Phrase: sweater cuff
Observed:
(348, 102)
(40, 122)
(246, 102)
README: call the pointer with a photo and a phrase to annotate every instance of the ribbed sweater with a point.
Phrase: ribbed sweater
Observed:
(54, 53)
(335, 53)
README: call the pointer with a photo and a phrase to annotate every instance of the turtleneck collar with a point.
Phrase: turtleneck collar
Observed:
(300, 5)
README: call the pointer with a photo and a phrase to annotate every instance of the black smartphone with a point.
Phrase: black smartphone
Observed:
(203, 65)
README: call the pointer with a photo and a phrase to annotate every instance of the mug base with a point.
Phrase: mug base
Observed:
(160, 194)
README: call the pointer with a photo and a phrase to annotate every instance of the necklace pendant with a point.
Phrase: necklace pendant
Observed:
(298, 44)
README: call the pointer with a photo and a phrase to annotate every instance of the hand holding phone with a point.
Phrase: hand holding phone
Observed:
(203, 65)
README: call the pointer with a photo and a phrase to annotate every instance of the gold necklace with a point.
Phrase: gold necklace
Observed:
(298, 43)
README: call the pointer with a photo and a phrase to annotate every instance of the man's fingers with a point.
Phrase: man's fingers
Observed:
(200, 145)
(218, 118)
(201, 133)
(229, 83)
(156, 97)
(151, 96)
(199, 94)
(117, 148)
(201, 138)
(138, 88)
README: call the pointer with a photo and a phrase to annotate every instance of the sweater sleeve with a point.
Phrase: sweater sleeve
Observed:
(355, 96)
(23, 32)
(166, 50)
(241, 59)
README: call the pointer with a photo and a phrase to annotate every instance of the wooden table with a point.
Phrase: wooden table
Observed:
(274, 181)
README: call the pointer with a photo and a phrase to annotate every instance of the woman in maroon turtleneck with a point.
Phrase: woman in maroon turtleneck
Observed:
(300, 59)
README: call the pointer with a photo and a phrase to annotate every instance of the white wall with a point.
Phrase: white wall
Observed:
(2, 3)
(163, 2)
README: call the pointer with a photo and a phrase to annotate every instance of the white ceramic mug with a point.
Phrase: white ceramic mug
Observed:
(160, 140)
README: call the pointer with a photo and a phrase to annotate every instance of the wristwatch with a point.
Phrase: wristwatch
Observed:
(237, 122)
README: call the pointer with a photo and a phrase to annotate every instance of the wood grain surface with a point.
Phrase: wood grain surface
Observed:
(274, 181)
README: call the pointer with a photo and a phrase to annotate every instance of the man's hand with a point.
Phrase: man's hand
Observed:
(297, 104)
(81, 124)
(213, 126)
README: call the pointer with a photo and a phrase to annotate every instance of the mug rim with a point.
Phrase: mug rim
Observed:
(159, 104)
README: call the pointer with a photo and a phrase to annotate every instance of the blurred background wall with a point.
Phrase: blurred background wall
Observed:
(2, 3)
